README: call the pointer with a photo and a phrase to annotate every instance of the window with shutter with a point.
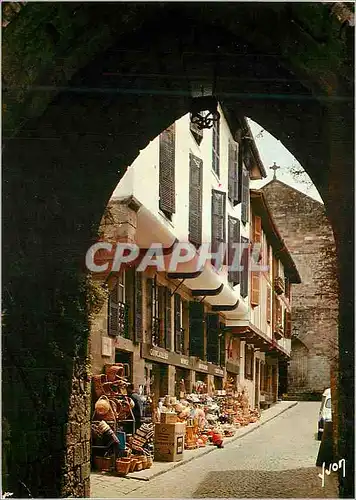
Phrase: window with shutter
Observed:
(196, 132)
(168, 320)
(138, 322)
(218, 223)
(248, 362)
(216, 147)
(234, 254)
(113, 313)
(162, 304)
(287, 325)
(195, 199)
(255, 288)
(245, 267)
(245, 195)
(257, 229)
(167, 171)
(233, 187)
(178, 326)
(118, 308)
(213, 341)
(196, 330)
(153, 306)
(268, 312)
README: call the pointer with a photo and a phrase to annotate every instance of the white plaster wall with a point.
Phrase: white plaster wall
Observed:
(142, 181)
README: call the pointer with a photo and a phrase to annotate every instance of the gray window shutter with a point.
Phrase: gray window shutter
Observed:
(218, 208)
(167, 196)
(234, 237)
(196, 329)
(196, 132)
(113, 324)
(245, 265)
(213, 345)
(233, 186)
(216, 148)
(178, 334)
(195, 199)
(168, 320)
(245, 195)
(138, 308)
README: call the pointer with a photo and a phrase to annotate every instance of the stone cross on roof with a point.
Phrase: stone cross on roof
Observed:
(274, 168)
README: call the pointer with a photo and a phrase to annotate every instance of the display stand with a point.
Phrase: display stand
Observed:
(101, 450)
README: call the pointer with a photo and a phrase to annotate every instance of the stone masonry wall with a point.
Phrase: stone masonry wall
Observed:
(307, 233)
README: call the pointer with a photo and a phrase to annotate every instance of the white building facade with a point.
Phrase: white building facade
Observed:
(205, 330)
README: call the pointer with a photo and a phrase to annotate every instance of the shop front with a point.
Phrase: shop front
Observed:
(232, 377)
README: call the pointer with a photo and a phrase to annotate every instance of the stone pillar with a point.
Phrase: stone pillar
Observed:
(138, 363)
(241, 378)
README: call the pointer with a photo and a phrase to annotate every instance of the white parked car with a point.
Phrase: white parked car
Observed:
(324, 412)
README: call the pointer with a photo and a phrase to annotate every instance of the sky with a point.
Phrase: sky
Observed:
(272, 150)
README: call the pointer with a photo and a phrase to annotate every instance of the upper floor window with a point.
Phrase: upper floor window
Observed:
(233, 186)
(245, 194)
(167, 171)
(195, 199)
(218, 221)
(196, 132)
(216, 147)
(245, 259)
(234, 254)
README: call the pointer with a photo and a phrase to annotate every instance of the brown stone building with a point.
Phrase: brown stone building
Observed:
(307, 233)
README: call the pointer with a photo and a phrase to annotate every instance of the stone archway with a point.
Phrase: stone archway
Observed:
(74, 123)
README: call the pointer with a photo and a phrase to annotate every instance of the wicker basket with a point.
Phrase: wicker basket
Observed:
(104, 464)
(122, 466)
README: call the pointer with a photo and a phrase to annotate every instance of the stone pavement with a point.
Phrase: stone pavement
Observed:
(108, 486)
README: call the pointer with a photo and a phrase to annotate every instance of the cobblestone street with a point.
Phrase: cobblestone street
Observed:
(276, 460)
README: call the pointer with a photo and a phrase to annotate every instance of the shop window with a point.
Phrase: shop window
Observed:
(249, 362)
(167, 194)
(216, 148)
(118, 308)
(213, 340)
(196, 330)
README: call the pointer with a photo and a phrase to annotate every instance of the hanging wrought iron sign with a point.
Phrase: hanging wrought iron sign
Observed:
(204, 112)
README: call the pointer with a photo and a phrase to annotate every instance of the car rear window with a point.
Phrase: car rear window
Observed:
(328, 403)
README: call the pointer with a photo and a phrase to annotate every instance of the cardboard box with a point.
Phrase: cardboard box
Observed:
(169, 442)
(169, 418)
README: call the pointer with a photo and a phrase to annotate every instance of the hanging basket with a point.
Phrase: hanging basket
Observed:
(105, 409)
